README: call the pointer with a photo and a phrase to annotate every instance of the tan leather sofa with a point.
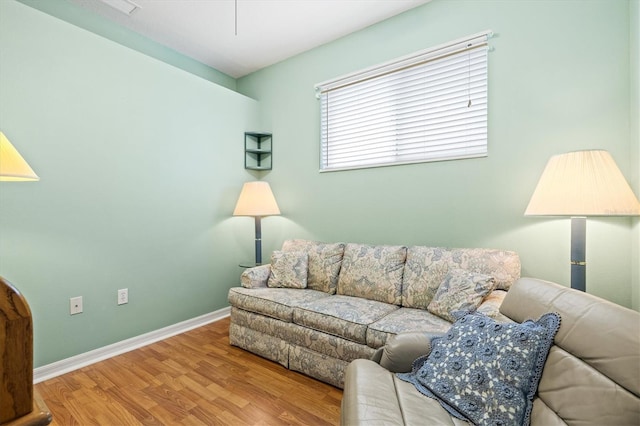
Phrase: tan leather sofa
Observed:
(591, 376)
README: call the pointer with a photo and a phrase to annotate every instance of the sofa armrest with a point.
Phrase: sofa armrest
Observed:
(490, 306)
(402, 349)
(256, 277)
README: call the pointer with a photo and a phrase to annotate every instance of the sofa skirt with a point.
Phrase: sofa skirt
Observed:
(260, 344)
(319, 366)
(311, 352)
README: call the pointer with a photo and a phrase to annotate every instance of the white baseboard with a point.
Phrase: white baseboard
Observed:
(66, 365)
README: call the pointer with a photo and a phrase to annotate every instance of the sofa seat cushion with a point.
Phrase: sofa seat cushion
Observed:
(273, 302)
(369, 396)
(343, 316)
(418, 410)
(374, 397)
(404, 320)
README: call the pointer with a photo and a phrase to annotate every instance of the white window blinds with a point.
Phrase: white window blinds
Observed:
(428, 106)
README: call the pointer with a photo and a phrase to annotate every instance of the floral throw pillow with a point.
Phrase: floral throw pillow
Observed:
(325, 260)
(460, 291)
(484, 371)
(288, 269)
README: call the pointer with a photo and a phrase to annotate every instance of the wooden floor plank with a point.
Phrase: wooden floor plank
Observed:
(195, 378)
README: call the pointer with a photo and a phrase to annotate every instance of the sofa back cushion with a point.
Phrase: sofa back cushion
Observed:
(427, 267)
(373, 272)
(324, 262)
(592, 374)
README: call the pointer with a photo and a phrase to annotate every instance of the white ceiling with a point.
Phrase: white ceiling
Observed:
(268, 31)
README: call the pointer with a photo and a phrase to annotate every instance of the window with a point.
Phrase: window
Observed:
(429, 106)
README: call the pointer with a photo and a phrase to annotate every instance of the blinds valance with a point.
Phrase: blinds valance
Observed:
(428, 106)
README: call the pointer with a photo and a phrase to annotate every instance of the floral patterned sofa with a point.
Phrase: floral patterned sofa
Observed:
(318, 306)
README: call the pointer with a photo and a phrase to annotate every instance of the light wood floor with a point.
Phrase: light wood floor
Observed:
(195, 378)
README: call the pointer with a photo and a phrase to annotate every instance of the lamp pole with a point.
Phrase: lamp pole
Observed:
(258, 240)
(578, 253)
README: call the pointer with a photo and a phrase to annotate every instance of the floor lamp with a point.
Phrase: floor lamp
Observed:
(580, 184)
(257, 200)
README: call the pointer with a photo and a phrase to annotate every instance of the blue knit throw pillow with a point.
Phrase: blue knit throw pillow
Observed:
(485, 371)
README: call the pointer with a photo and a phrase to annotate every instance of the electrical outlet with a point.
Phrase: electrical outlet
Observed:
(75, 305)
(123, 296)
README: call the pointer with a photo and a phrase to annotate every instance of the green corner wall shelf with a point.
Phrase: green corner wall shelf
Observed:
(258, 150)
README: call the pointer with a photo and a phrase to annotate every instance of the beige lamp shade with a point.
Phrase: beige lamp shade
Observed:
(583, 183)
(256, 199)
(12, 166)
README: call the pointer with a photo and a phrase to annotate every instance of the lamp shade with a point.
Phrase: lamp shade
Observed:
(256, 199)
(12, 166)
(583, 183)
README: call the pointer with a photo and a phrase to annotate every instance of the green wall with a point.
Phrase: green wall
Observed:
(559, 81)
(141, 162)
(140, 165)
